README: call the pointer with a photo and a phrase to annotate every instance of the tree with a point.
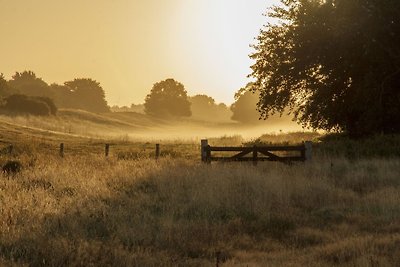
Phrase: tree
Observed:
(245, 107)
(205, 108)
(335, 64)
(27, 83)
(167, 98)
(4, 88)
(87, 94)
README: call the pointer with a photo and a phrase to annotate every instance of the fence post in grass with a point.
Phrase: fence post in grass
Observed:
(204, 146)
(62, 150)
(157, 151)
(10, 149)
(307, 151)
(208, 152)
(107, 150)
(255, 156)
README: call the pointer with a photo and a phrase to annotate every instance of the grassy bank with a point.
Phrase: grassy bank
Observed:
(87, 210)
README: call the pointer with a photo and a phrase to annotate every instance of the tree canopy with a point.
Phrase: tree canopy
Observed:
(27, 83)
(4, 88)
(168, 98)
(205, 108)
(87, 94)
(244, 109)
(334, 63)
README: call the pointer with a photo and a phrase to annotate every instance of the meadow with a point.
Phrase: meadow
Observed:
(341, 209)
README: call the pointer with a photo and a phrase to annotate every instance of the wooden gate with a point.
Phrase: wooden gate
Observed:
(258, 153)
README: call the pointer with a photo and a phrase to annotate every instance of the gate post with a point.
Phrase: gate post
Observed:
(204, 154)
(107, 150)
(157, 151)
(255, 156)
(308, 151)
(62, 150)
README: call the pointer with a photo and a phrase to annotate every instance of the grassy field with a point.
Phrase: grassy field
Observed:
(341, 209)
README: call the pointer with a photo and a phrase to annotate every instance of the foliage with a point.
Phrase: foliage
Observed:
(137, 108)
(244, 109)
(291, 138)
(4, 88)
(334, 63)
(87, 94)
(205, 108)
(27, 83)
(22, 104)
(49, 102)
(167, 98)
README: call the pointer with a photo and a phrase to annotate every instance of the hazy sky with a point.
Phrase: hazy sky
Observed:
(128, 45)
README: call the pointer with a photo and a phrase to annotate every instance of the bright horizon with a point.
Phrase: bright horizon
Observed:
(128, 46)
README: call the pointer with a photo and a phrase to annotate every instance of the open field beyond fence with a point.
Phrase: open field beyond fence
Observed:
(85, 209)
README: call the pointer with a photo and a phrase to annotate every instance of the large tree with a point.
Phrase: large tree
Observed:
(205, 108)
(4, 88)
(168, 98)
(244, 109)
(29, 84)
(87, 94)
(334, 63)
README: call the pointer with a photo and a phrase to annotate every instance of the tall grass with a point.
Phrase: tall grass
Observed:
(90, 211)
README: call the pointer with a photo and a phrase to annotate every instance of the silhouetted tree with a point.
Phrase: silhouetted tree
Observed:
(64, 97)
(4, 88)
(245, 107)
(205, 108)
(167, 98)
(27, 83)
(335, 64)
(87, 94)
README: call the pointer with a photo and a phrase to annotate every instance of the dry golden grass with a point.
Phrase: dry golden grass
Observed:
(86, 210)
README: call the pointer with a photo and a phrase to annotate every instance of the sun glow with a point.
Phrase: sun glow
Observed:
(129, 45)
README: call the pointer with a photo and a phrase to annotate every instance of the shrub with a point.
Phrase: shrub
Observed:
(41, 106)
(12, 167)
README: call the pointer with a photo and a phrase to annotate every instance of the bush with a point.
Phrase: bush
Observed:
(50, 103)
(22, 104)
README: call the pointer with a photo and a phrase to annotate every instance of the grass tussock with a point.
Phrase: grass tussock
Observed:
(86, 210)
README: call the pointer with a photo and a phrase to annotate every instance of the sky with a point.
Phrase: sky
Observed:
(128, 45)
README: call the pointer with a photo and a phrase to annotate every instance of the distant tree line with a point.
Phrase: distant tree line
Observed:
(26, 93)
(169, 99)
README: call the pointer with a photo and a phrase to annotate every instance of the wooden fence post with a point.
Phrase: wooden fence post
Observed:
(208, 153)
(62, 150)
(157, 151)
(255, 156)
(204, 146)
(10, 149)
(107, 150)
(308, 151)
